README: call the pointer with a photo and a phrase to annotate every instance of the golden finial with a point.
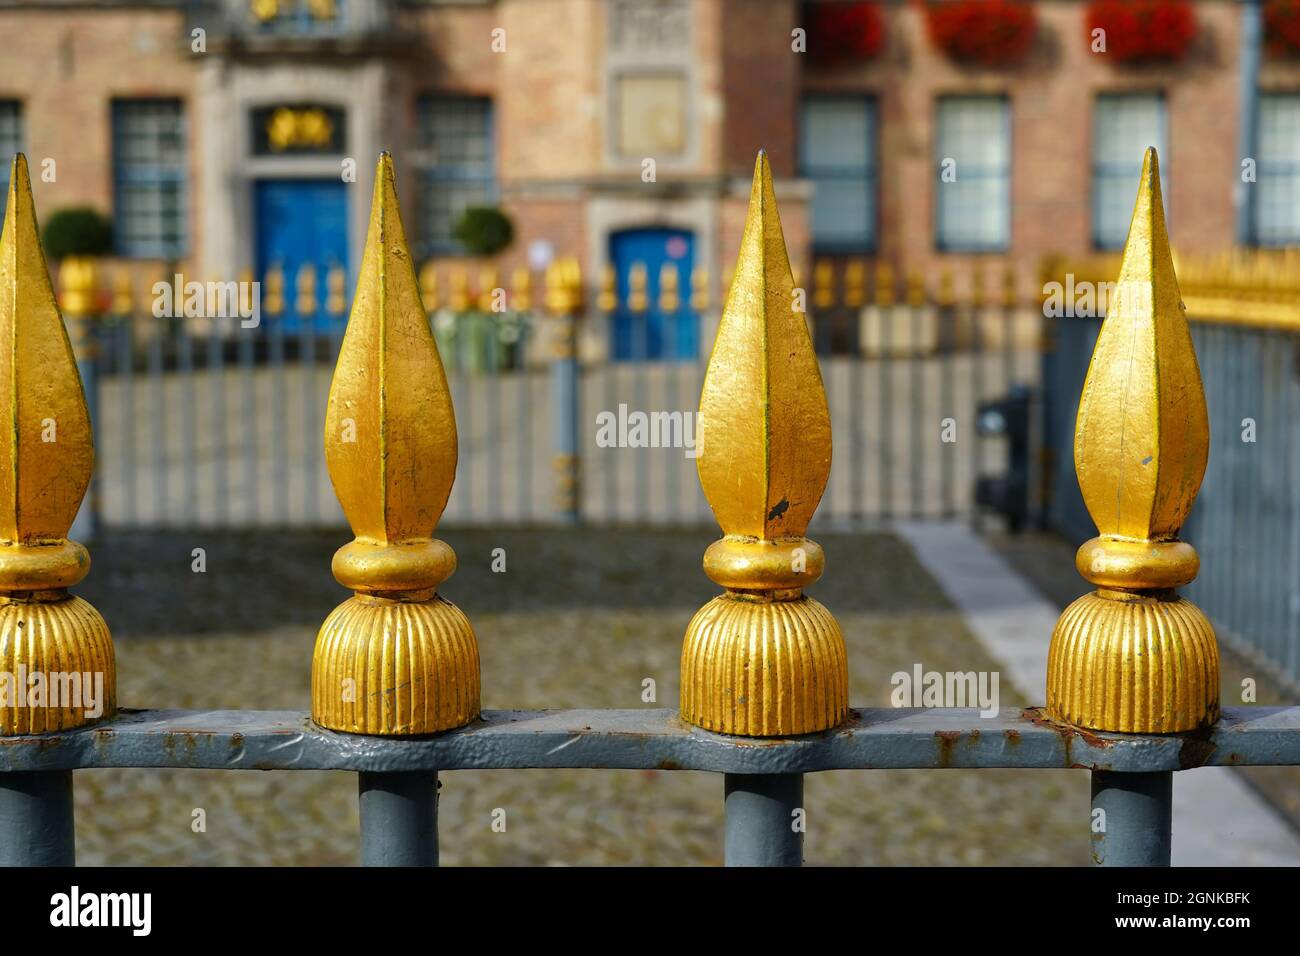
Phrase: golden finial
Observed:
(915, 289)
(1008, 285)
(123, 300)
(521, 294)
(488, 283)
(305, 303)
(78, 282)
(571, 277)
(336, 292)
(884, 284)
(1134, 657)
(562, 287)
(762, 659)
(396, 658)
(855, 283)
(699, 289)
(947, 288)
(458, 300)
(669, 298)
(637, 301)
(823, 284)
(273, 291)
(607, 298)
(49, 454)
(429, 286)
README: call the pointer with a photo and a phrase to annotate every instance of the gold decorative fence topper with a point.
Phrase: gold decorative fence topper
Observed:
(56, 655)
(1133, 656)
(395, 658)
(762, 659)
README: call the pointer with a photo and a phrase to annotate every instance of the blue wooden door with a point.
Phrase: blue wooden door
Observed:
(654, 334)
(301, 221)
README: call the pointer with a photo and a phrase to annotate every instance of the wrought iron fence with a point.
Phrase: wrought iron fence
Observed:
(206, 421)
(1133, 673)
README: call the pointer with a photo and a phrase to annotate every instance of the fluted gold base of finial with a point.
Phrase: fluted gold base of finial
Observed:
(764, 668)
(1133, 663)
(67, 643)
(395, 668)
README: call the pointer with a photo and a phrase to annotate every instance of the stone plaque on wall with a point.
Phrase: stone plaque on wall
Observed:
(650, 111)
(649, 25)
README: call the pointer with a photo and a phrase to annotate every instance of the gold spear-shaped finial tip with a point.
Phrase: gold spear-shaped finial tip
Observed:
(1142, 435)
(390, 447)
(762, 659)
(1133, 656)
(46, 455)
(763, 474)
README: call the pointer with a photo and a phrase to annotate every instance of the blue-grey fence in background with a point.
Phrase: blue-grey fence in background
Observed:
(574, 402)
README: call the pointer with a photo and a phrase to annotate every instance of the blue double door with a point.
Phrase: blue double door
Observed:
(654, 334)
(300, 221)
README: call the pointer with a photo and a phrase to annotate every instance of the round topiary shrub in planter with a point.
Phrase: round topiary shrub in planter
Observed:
(77, 231)
(484, 230)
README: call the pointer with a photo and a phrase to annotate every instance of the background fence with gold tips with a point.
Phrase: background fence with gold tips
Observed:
(764, 406)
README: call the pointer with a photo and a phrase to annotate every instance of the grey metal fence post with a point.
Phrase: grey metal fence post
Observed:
(1132, 818)
(79, 279)
(399, 819)
(764, 819)
(564, 298)
(36, 825)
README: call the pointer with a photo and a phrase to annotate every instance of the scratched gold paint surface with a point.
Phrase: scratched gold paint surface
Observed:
(394, 479)
(1133, 657)
(1142, 434)
(46, 457)
(763, 659)
(765, 424)
(397, 658)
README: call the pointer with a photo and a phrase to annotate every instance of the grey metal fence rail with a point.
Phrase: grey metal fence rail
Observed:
(398, 780)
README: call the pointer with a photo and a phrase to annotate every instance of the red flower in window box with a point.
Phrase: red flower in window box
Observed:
(983, 32)
(840, 32)
(1144, 31)
(1282, 27)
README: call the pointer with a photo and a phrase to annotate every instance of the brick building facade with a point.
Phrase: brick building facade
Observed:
(551, 108)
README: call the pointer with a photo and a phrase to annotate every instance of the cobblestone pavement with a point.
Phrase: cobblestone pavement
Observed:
(578, 619)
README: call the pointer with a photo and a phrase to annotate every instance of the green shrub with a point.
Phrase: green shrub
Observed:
(78, 231)
(484, 230)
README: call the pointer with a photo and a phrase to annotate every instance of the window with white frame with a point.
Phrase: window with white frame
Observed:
(1124, 125)
(150, 178)
(973, 174)
(1276, 199)
(455, 163)
(837, 152)
(11, 141)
